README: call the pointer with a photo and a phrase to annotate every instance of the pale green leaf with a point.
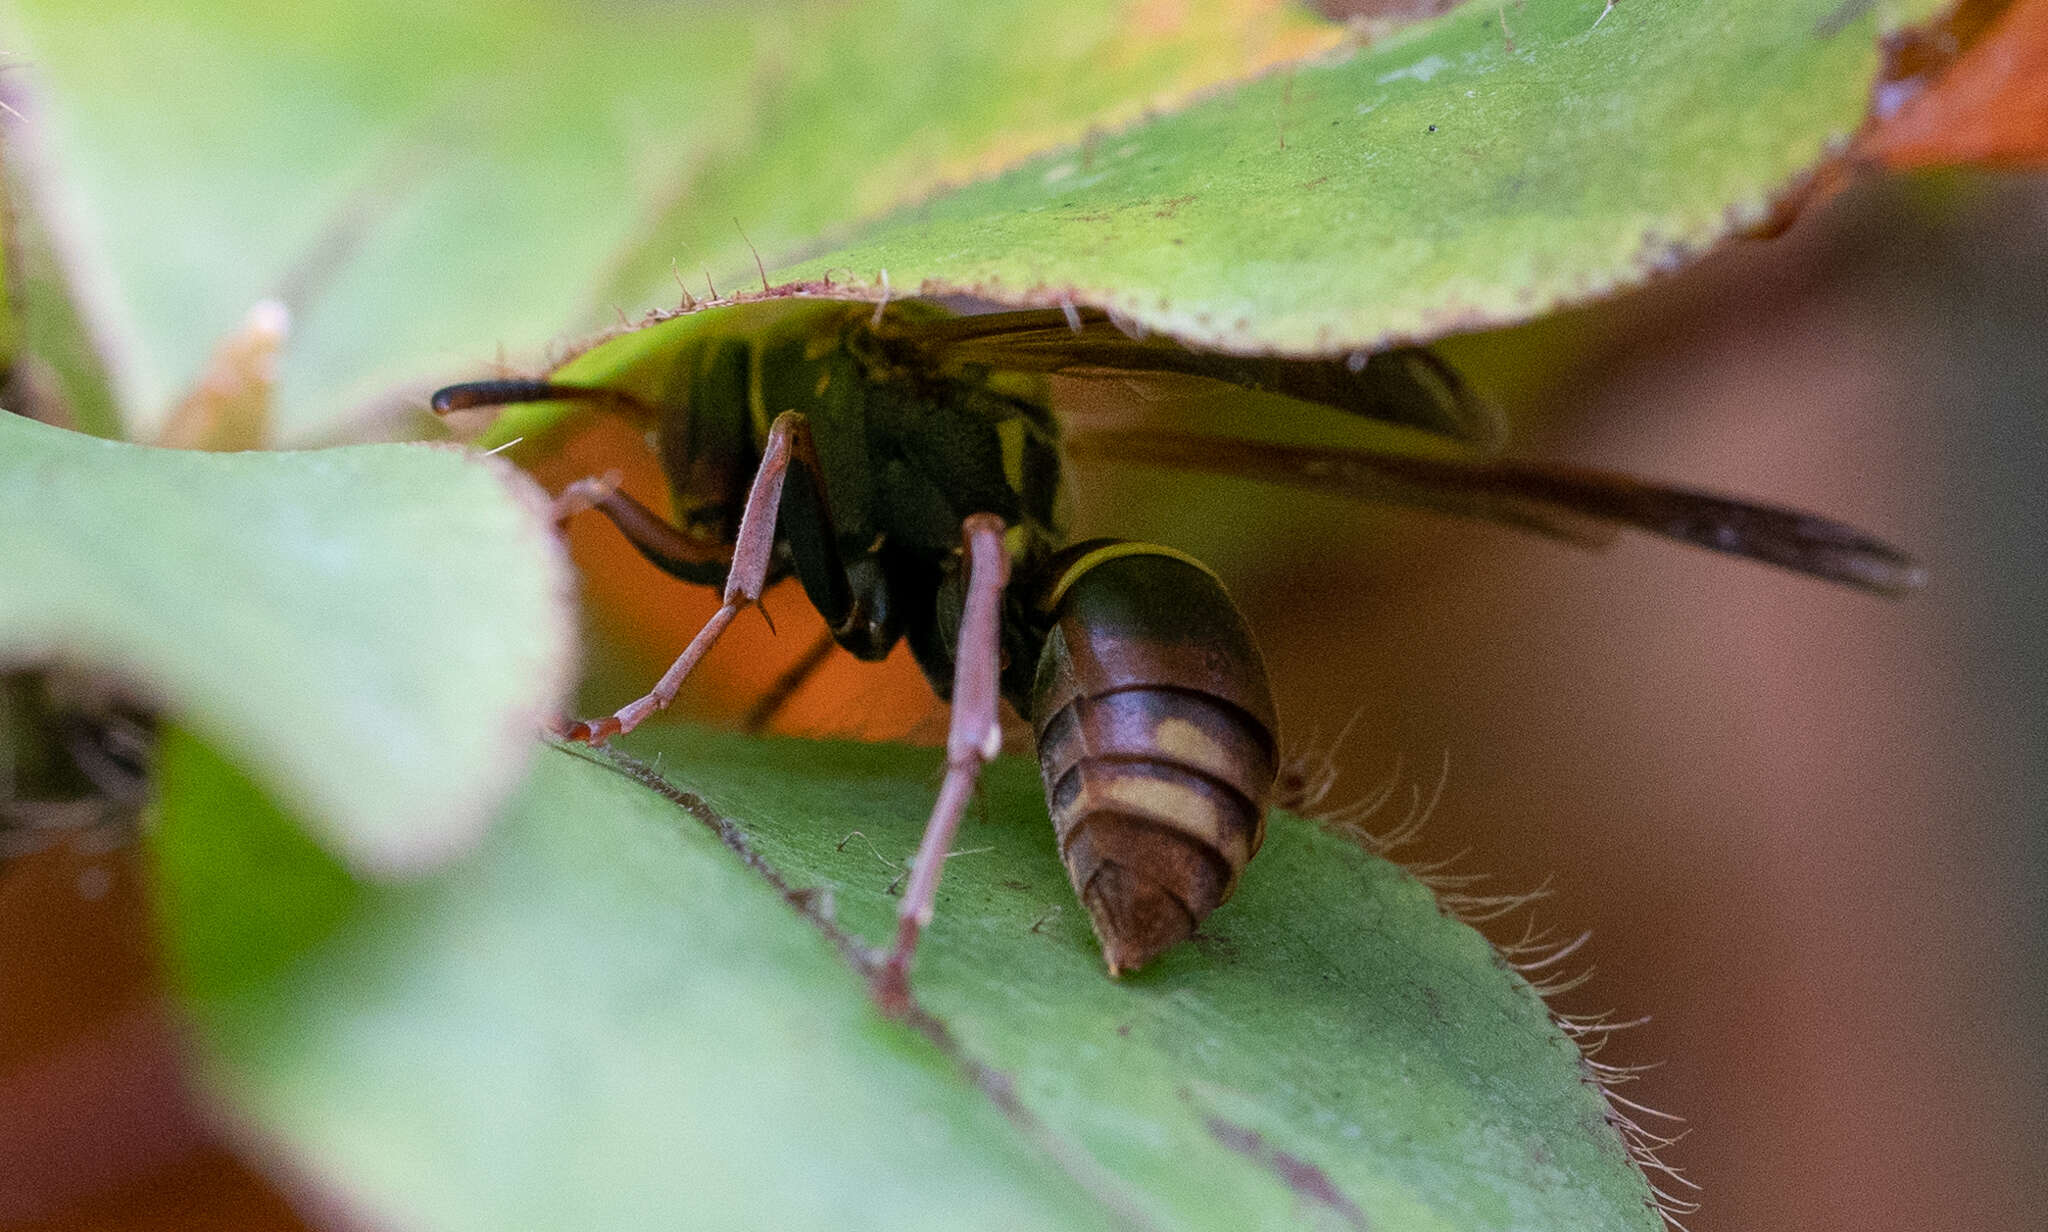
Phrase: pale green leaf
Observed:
(376, 631)
(428, 187)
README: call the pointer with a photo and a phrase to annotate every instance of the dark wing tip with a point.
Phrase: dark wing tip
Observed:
(1842, 553)
(1789, 538)
(1554, 500)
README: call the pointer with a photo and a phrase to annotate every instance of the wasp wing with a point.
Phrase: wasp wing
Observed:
(1407, 386)
(1552, 500)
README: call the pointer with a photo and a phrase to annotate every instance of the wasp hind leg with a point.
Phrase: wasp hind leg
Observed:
(785, 686)
(973, 739)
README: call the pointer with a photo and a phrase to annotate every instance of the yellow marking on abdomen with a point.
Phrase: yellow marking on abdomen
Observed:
(1117, 551)
(1176, 806)
(1186, 742)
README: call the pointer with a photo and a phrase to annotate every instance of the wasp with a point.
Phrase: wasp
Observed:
(906, 466)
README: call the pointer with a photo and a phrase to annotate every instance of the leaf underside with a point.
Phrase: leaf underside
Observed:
(1474, 171)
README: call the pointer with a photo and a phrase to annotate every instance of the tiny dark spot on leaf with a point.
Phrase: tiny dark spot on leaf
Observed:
(1432, 128)
(1218, 949)
(1839, 20)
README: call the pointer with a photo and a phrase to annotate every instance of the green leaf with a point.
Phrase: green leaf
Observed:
(428, 186)
(1447, 179)
(53, 367)
(1476, 171)
(375, 631)
(635, 1007)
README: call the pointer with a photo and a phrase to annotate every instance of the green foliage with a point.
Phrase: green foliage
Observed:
(375, 631)
(614, 1014)
(1474, 171)
(430, 187)
(427, 184)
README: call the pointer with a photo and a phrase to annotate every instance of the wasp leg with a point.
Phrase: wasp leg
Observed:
(664, 545)
(794, 677)
(752, 551)
(972, 741)
(788, 490)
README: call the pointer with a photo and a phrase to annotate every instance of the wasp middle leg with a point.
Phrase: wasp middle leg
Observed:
(973, 739)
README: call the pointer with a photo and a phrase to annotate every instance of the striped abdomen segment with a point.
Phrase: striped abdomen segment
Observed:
(1156, 741)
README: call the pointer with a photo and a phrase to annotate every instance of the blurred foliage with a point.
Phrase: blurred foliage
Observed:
(396, 607)
(427, 186)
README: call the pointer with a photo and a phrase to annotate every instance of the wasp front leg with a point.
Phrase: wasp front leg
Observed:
(666, 546)
(745, 563)
(973, 739)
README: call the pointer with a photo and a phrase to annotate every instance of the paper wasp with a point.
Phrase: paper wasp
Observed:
(906, 466)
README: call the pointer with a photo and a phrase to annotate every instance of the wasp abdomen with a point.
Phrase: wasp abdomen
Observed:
(1156, 741)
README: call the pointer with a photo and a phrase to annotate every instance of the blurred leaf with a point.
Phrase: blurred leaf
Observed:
(1476, 170)
(54, 370)
(424, 184)
(229, 408)
(375, 631)
(607, 1016)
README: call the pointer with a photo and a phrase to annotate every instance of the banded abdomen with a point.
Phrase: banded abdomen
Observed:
(1156, 740)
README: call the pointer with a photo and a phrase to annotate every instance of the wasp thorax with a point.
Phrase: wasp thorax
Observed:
(1155, 738)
